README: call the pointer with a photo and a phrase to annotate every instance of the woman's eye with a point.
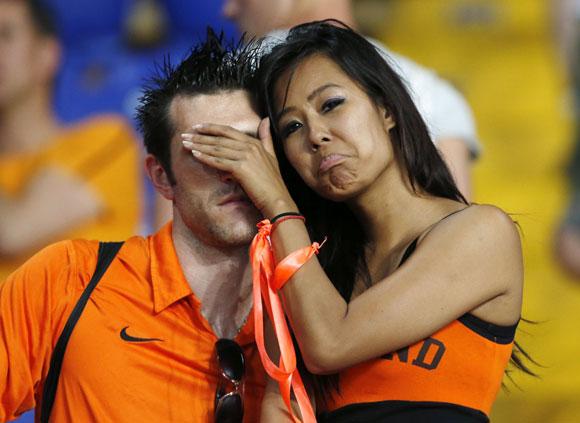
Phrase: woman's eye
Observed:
(290, 128)
(331, 104)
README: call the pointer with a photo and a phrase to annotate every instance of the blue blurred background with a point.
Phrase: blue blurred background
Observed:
(111, 45)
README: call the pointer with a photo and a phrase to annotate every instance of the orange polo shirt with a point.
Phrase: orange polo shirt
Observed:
(105, 378)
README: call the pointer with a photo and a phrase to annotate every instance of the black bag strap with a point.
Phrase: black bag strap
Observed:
(107, 252)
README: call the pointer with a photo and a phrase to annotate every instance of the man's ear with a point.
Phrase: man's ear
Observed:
(158, 177)
(49, 57)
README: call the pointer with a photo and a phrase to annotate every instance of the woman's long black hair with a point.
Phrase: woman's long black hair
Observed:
(343, 257)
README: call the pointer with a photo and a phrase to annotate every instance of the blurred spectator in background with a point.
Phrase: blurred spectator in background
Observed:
(447, 114)
(55, 182)
(568, 233)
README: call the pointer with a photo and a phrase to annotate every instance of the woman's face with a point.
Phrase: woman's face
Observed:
(333, 134)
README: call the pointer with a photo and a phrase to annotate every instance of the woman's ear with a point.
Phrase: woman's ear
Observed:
(389, 121)
(159, 177)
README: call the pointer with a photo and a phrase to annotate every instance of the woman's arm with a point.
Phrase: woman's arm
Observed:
(273, 407)
(463, 264)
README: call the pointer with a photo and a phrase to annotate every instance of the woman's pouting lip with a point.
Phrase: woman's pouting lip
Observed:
(330, 161)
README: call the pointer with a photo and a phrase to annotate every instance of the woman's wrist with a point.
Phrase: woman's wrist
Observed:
(286, 216)
(278, 207)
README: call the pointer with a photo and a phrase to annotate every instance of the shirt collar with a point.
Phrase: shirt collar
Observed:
(169, 283)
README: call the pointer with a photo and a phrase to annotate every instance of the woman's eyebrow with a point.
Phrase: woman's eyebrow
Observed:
(313, 94)
(318, 90)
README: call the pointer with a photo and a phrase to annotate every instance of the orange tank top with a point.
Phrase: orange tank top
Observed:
(453, 375)
(460, 365)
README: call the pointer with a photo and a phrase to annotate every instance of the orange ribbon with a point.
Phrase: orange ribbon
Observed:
(267, 280)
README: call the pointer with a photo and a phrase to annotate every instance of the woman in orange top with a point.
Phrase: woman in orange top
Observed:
(409, 311)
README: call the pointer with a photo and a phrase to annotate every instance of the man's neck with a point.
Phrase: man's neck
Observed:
(219, 277)
(27, 125)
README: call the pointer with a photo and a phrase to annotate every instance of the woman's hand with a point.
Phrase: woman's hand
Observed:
(249, 160)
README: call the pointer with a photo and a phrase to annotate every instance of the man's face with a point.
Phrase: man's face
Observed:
(21, 66)
(258, 17)
(210, 203)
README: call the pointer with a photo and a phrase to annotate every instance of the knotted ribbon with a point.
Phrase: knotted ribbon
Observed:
(267, 279)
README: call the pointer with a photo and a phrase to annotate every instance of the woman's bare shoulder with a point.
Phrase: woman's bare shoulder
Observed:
(480, 222)
(482, 241)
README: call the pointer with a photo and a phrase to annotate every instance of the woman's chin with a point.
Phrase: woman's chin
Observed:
(337, 194)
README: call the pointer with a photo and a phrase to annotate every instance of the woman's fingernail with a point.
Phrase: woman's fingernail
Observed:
(187, 136)
(187, 144)
(196, 153)
(198, 126)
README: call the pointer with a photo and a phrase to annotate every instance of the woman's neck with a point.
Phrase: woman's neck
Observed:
(393, 214)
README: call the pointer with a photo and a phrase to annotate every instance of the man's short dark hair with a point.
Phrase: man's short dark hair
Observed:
(211, 67)
(42, 18)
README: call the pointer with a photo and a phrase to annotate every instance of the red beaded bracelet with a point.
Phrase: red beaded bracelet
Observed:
(283, 219)
(276, 220)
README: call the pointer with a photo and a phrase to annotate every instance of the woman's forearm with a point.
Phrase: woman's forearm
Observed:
(314, 307)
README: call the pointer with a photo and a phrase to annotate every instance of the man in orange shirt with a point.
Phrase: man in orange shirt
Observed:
(144, 348)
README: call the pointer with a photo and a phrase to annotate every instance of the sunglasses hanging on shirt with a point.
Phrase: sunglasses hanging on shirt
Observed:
(229, 404)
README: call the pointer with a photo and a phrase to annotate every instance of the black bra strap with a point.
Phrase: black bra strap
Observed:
(107, 252)
(451, 214)
(411, 248)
